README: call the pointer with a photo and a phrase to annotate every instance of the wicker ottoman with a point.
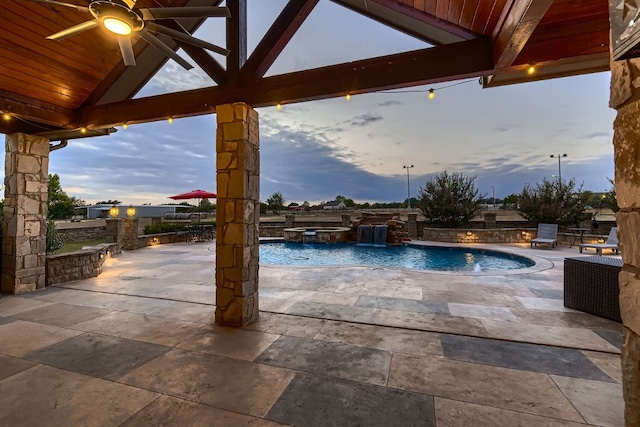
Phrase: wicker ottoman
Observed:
(591, 285)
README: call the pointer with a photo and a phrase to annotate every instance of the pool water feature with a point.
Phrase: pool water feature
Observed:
(404, 256)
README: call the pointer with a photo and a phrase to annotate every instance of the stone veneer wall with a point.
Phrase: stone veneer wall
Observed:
(497, 235)
(82, 234)
(237, 214)
(78, 265)
(625, 98)
(25, 213)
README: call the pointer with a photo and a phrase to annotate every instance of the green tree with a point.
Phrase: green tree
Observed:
(609, 199)
(510, 201)
(205, 206)
(551, 202)
(449, 199)
(60, 206)
(54, 239)
(347, 202)
(275, 202)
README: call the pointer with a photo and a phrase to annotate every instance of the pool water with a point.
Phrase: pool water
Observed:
(420, 258)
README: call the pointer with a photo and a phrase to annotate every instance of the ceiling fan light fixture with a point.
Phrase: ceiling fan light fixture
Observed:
(116, 18)
(117, 26)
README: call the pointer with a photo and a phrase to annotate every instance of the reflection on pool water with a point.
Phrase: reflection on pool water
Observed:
(420, 258)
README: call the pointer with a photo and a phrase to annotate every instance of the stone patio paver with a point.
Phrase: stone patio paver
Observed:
(382, 361)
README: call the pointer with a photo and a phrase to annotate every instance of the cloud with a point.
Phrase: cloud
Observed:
(364, 119)
(389, 103)
(597, 135)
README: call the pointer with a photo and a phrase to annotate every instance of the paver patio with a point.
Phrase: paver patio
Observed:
(355, 345)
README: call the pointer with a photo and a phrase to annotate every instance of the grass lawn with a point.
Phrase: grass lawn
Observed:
(76, 246)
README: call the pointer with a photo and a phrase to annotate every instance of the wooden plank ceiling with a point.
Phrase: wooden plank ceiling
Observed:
(61, 88)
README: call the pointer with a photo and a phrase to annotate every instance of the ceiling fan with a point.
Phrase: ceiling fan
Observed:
(123, 19)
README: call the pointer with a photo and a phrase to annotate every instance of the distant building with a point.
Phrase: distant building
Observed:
(334, 206)
(142, 211)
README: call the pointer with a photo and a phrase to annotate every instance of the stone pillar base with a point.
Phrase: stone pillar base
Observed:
(25, 213)
(130, 240)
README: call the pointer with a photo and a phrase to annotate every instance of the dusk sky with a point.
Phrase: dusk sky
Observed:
(314, 151)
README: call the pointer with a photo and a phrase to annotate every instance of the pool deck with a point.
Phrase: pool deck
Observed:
(349, 345)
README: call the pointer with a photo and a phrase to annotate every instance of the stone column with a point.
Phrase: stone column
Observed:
(25, 213)
(237, 214)
(625, 98)
(288, 220)
(412, 225)
(130, 241)
(114, 232)
(489, 220)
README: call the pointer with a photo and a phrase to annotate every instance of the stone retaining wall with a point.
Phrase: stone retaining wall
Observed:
(83, 264)
(498, 235)
(81, 234)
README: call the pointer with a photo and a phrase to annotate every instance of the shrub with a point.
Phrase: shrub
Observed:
(55, 240)
(552, 202)
(449, 199)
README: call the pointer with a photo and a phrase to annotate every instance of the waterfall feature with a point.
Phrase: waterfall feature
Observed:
(372, 234)
(309, 237)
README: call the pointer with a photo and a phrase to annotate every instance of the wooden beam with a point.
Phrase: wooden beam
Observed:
(445, 63)
(236, 37)
(521, 19)
(402, 17)
(205, 61)
(566, 67)
(36, 111)
(275, 40)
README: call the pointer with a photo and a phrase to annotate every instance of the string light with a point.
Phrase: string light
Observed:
(6, 116)
(83, 130)
(531, 70)
(432, 94)
(125, 126)
(279, 106)
(170, 120)
(348, 97)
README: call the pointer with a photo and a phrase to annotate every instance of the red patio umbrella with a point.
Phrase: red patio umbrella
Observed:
(195, 194)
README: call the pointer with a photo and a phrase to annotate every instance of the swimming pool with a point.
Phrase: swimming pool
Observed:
(405, 256)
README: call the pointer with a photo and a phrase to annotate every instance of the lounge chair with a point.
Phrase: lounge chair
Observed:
(611, 243)
(547, 235)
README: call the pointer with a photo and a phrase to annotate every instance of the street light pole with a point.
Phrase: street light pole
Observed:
(493, 189)
(559, 156)
(408, 190)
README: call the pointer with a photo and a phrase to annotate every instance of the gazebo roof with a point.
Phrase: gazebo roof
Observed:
(57, 88)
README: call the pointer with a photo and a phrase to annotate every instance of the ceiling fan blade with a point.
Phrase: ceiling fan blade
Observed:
(187, 38)
(153, 13)
(59, 3)
(158, 44)
(127, 51)
(74, 30)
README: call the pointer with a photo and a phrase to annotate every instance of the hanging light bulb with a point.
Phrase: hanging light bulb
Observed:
(531, 70)
(279, 106)
(432, 94)
(348, 97)
(170, 120)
